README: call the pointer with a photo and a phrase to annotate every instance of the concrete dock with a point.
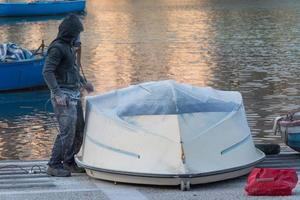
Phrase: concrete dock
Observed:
(24, 180)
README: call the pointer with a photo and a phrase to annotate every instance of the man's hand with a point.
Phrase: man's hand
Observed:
(89, 87)
(61, 99)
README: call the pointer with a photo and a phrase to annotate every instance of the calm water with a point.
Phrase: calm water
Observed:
(249, 46)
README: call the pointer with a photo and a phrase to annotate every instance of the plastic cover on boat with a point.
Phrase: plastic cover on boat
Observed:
(166, 98)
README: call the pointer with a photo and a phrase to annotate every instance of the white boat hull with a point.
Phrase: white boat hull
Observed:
(167, 134)
(162, 179)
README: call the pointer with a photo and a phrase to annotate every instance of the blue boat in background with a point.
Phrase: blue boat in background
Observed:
(21, 68)
(35, 8)
(21, 74)
(289, 128)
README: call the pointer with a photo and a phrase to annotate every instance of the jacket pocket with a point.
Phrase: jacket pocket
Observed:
(71, 78)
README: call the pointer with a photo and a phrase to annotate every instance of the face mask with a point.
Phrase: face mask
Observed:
(76, 41)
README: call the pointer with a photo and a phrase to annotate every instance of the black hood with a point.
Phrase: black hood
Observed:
(70, 28)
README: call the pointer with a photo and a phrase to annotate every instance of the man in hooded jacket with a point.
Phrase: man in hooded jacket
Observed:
(62, 75)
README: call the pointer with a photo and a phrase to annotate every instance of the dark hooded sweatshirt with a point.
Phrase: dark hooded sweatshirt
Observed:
(60, 69)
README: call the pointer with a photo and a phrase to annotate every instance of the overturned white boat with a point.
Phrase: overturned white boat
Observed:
(166, 133)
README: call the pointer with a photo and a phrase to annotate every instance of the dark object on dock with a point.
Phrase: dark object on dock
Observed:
(36, 8)
(269, 149)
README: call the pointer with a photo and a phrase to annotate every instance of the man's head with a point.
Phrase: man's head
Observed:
(70, 28)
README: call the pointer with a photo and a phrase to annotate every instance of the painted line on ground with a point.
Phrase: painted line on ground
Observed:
(47, 191)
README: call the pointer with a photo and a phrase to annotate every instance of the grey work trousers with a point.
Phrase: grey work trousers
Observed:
(69, 139)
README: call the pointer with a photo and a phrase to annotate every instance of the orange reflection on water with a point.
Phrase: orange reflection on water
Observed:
(191, 61)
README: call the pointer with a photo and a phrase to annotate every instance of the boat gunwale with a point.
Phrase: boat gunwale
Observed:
(19, 62)
(149, 175)
(288, 123)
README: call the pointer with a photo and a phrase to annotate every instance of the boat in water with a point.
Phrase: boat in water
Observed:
(16, 73)
(289, 128)
(167, 133)
(37, 8)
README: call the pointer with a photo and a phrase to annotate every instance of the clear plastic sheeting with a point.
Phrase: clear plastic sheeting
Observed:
(166, 98)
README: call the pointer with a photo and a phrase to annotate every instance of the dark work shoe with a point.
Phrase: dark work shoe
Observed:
(73, 168)
(58, 172)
